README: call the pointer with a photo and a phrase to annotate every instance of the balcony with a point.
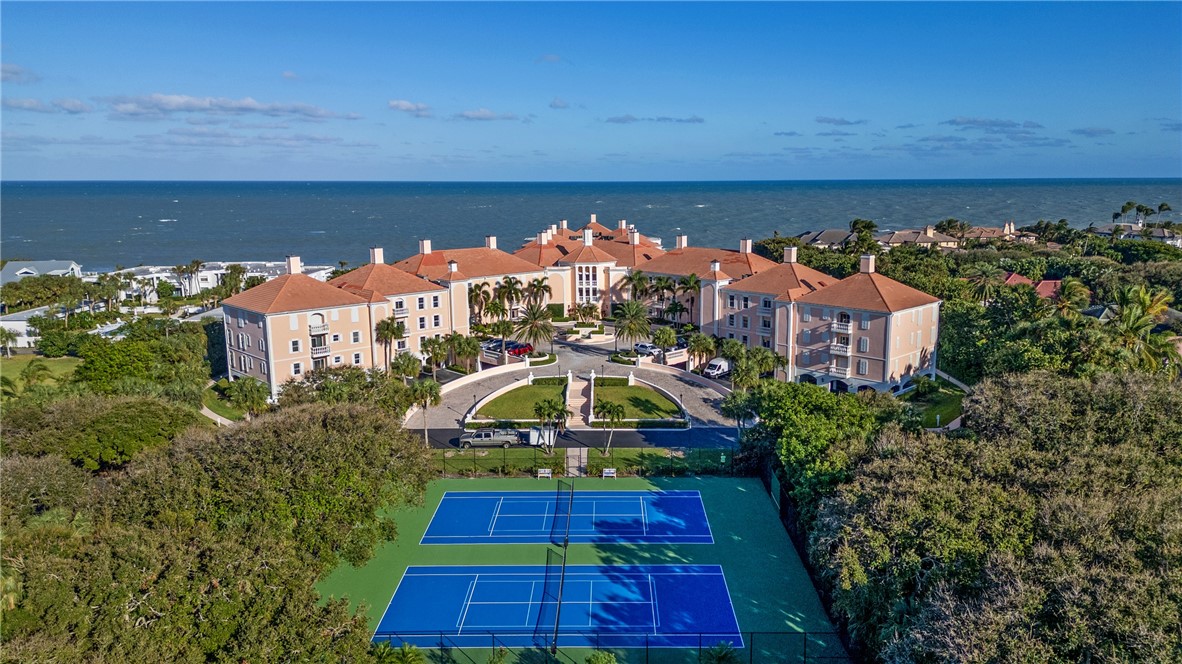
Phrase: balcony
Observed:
(839, 349)
(841, 328)
(843, 372)
(321, 351)
(318, 329)
(401, 312)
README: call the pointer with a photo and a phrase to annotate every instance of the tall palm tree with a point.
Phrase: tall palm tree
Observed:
(497, 309)
(631, 322)
(701, 347)
(479, 296)
(451, 342)
(424, 394)
(436, 351)
(1128, 206)
(387, 330)
(674, 310)
(249, 395)
(502, 329)
(587, 312)
(1138, 311)
(182, 276)
(691, 285)
(986, 280)
(539, 290)
(7, 339)
(636, 282)
(509, 292)
(405, 366)
(611, 412)
(535, 326)
(663, 287)
(467, 349)
(1073, 297)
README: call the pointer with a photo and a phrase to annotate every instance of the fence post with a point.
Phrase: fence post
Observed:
(473, 462)
(805, 657)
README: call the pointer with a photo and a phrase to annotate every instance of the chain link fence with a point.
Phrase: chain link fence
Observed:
(632, 462)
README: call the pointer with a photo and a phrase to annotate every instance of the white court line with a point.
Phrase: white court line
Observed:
(644, 516)
(492, 525)
(652, 589)
(467, 603)
(388, 604)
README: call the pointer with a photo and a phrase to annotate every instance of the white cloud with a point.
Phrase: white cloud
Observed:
(290, 75)
(34, 105)
(1093, 132)
(559, 103)
(841, 122)
(550, 58)
(414, 108)
(787, 133)
(10, 73)
(73, 106)
(629, 119)
(156, 106)
(483, 114)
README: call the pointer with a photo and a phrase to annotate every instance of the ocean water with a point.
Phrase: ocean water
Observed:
(107, 224)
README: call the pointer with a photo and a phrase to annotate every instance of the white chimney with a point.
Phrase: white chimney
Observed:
(633, 236)
(715, 266)
(928, 231)
(549, 235)
(490, 241)
(376, 256)
(623, 225)
(424, 246)
(593, 219)
(789, 254)
(867, 265)
(587, 238)
(294, 266)
(682, 242)
(541, 237)
(745, 246)
(563, 226)
(452, 267)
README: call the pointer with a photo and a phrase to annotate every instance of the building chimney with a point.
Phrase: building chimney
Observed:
(623, 225)
(745, 246)
(294, 266)
(681, 242)
(541, 237)
(928, 231)
(452, 267)
(715, 266)
(554, 227)
(424, 246)
(867, 265)
(593, 219)
(490, 241)
(587, 237)
(633, 236)
(789, 254)
(1008, 229)
(376, 256)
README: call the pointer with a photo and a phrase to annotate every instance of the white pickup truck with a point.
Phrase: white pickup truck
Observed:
(490, 437)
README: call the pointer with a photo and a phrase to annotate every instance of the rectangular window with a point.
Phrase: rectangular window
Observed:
(765, 342)
(730, 320)
(402, 344)
(336, 338)
(730, 301)
(422, 303)
(295, 345)
(767, 303)
(263, 368)
(356, 358)
(297, 369)
(746, 302)
(435, 321)
(804, 357)
(435, 301)
(824, 314)
(356, 337)
(864, 345)
(422, 322)
(746, 322)
(865, 322)
(806, 336)
(862, 367)
(262, 345)
(730, 335)
(765, 323)
(336, 359)
(806, 314)
(241, 321)
(399, 305)
(249, 363)
(744, 340)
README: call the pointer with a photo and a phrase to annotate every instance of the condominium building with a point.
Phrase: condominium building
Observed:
(862, 332)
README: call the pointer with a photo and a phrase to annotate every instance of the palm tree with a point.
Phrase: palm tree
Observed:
(674, 310)
(587, 312)
(665, 337)
(1124, 209)
(450, 342)
(539, 290)
(701, 347)
(479, 296)
(631, 322)
(406, 366)
(182, 276)
(986, 280)
(509, 292)
(1138, 311)
(467, 349)
(637, 283)
(663, 287)
(534, 326)
(424, 394)
(1072, 298)
(7, 388)
(248, 394)
(552, 412)
(690, 285)
(435, 351)
(387, 330)
(502, 329)
(7, 339)
(497, 309)
(35, 372)
(613, 413)
(195, 266)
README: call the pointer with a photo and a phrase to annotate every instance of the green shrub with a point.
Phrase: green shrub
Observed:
(550, 380)
(601, 657)
(611, 381)
(556, 311)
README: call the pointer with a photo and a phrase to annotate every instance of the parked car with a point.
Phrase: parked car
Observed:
(647, 349)
(490, 437)
(717, 368)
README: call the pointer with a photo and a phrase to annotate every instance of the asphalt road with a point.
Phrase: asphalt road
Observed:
(704, 437)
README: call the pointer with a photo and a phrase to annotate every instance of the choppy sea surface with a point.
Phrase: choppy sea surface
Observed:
(102, 225)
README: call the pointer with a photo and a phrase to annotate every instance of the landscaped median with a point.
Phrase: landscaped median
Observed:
(939, 402)
(514, 408)
(628, 461)
(644, 406)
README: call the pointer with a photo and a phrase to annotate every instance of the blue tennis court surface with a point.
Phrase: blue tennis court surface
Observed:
(520, 517)
(661, 606)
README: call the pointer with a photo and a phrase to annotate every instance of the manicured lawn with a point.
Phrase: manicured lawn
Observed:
(947, 404)
(217, 404)
(60, 367)
(640, 403)
(518, 404)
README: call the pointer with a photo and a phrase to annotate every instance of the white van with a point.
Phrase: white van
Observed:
(717, 368)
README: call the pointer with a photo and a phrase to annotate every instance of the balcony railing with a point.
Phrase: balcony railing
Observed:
(401, 312)
(835, 370)
(321, 351)
(839, 349)
(318, 329)
(844, 328)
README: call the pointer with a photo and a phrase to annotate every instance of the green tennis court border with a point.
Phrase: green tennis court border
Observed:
(770, 589)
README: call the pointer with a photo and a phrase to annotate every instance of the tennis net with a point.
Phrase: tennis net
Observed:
(562, 516)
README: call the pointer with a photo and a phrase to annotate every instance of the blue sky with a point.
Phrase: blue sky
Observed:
(590, 91)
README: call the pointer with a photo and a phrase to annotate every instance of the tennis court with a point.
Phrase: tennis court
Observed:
(656, 606)
(595, 517)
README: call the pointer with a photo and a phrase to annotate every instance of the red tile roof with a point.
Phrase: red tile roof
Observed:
(1048, 288)
(293, 292)
(696, 260)
(788, 281)
(1013, 279)
(384, 279)
(869, 291)
(475, 262)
